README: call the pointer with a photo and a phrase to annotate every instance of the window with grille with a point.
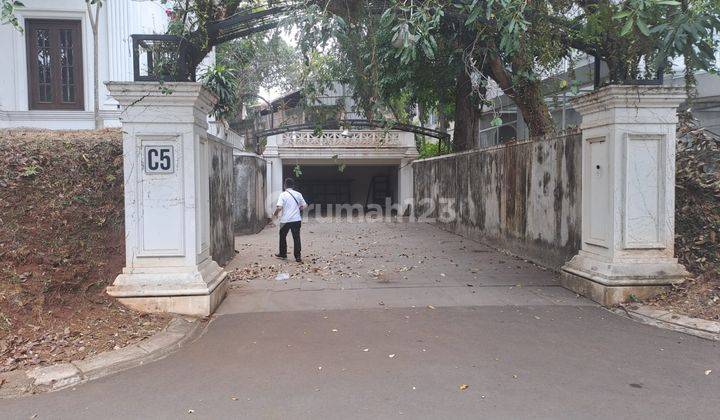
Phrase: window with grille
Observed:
(54, 49)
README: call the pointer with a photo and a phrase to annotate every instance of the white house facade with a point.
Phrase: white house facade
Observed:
(338, 167)
(47, 80)
(362, 166)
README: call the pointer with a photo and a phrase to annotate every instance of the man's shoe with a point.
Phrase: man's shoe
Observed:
(282, 257)
(298, 260)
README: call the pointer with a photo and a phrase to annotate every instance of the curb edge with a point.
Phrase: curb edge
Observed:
(175, 335)
(702, 328)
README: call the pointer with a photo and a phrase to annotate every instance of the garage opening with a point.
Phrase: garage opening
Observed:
(326, 186)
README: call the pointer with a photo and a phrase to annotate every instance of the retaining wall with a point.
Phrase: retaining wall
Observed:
(524, 197)
(222, 237)
(249, 214)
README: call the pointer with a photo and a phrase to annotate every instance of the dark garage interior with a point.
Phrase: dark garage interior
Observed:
(350, 184)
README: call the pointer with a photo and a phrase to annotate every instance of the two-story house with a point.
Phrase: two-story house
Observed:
(47, 80)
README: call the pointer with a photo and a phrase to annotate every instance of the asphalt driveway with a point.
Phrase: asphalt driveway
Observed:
(403, 321)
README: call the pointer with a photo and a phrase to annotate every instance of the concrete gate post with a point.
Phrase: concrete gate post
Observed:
(628, 194)
(405, 184)
(274, 173)
(168, 266)
(405, 174)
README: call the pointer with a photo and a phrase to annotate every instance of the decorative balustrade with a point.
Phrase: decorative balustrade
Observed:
(337, 138)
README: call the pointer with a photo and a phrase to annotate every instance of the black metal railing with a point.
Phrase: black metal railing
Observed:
(598, 83)
(162, 58)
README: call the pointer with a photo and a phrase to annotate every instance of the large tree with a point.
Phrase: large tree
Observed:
(192, 20)
(515, 44)
(259, 61)
(469, 43)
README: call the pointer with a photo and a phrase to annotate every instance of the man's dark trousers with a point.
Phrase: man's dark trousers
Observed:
(293, 227)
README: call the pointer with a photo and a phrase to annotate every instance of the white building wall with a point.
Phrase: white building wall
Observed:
(118, 20)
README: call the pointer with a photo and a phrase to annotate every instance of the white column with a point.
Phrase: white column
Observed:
(628, 194)
(405, 173)
(274, 172)
(405, 184)
(167, 222)
(115, 54)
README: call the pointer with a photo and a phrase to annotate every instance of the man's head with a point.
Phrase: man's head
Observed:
(289, 183)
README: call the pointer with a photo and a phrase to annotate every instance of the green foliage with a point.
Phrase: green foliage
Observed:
(222, 81)
(428, 149)
(533, 38)
(413, 53)
(262, 60)
(691, 31)
(252, 62)
(191, 19)
(387, 82)
(7, 13)
(340, 165)
(30, 171)
(633, 298)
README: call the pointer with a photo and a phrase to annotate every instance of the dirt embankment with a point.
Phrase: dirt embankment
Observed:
(61, 243)
(697, 222)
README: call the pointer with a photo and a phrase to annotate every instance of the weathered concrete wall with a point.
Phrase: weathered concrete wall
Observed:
(222, 238)
(523, 197)
(249, 192)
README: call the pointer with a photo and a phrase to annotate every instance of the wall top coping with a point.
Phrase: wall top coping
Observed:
(165, 94)
(501, 146)
(237, 152)
(216, 139)
(623, 96)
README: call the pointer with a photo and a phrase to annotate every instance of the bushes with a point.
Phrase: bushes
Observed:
(429, 149)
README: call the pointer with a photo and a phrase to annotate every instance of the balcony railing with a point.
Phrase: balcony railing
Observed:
(341, 138)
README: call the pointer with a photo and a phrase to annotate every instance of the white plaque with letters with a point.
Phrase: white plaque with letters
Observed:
(159, 159)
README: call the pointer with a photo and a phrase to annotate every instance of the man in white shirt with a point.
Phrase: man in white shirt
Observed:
(290, 203)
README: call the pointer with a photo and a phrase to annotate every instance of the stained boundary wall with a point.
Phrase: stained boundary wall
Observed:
(524, 196)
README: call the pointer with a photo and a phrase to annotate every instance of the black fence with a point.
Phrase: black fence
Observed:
(162, 58)
(598, 82)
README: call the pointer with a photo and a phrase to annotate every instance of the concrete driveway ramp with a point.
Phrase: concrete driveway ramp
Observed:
(353, 265)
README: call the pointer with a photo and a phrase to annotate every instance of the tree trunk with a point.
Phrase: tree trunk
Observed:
(531, 103)
(528, 97)
(96, 62)
(96, 69)
(467, 115)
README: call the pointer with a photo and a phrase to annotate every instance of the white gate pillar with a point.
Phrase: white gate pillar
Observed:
(628, 194)
(405, 187)
(168, 266)
(274, 172)
(406, 174)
